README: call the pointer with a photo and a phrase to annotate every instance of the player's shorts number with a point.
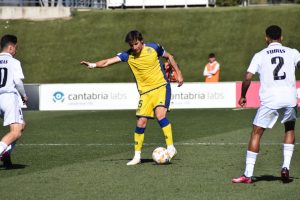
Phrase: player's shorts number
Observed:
(3, 77)
(278, 61)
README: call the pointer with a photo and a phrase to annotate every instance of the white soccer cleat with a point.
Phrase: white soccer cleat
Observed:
(134, 161)
(172, 152)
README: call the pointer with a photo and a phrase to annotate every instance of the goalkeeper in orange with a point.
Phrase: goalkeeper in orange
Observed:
(152, 84)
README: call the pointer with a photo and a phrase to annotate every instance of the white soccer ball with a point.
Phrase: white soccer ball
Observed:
(160, 155)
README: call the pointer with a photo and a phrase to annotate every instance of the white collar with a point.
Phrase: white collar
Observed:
(275, 43)
(5, 54)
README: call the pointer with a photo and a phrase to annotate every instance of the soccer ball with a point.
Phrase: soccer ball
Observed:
(160, 155)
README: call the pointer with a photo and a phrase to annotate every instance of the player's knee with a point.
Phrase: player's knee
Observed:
(289, 126)
(16, 130)
(141, 122)
(257, 130)
(160, 112)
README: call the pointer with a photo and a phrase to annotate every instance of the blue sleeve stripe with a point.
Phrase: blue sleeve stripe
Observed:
(139, 130)
(123, 56)
(159, 49)
(163, 122)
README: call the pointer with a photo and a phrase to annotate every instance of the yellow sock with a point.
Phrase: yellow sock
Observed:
(168, 134)
(139, 140)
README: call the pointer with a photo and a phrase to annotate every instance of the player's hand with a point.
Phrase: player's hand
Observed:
(25, 100)
(88, 64)
(179, 81)
(242, 101)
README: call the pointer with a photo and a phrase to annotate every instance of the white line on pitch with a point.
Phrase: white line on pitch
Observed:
(152, 144)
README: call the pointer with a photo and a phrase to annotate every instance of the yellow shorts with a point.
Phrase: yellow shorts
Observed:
(152, 99)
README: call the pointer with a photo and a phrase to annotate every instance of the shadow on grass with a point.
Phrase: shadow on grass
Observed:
(271, 178)
(146, 160)
(14, 167)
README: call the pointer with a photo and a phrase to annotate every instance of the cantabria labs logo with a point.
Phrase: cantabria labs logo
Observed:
(58, 97)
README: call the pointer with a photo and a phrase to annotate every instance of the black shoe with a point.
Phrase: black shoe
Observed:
(7, 164)
(285, 175)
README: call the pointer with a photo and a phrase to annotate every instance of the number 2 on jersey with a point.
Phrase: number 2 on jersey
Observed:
(279, 62)
(3, 77)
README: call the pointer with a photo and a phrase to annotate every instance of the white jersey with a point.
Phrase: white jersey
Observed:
(10, 72)
(276, 66)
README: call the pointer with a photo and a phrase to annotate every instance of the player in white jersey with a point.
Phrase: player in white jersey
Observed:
(11, 88)
(276, 66)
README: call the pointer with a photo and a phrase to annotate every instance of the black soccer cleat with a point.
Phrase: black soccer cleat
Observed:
(7, 164)
(285, 175)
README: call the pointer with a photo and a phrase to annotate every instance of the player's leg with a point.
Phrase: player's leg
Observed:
(264, 118)
(13, 116)
(289, 120)
(138, 140)
(143, 112)
(251, 155)
(160, 113)
(161, 101)
(14, 134)
(5, 157)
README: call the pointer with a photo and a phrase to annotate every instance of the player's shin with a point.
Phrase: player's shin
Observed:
(167, 130)
(250, 162)
(10, 147)
(288, 150)
(3, 146)
(139, 140)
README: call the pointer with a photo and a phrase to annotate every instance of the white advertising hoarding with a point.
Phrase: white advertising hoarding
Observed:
(204, 95)
(118, 96)
(105, 96)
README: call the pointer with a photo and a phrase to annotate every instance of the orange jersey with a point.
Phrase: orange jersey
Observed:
(210, 68)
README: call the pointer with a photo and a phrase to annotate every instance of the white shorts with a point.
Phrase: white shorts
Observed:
(266, 117)
(10, 109)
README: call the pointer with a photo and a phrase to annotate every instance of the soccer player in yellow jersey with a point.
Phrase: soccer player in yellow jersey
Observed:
(153, 87)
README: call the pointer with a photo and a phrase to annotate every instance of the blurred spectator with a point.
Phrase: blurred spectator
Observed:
(170, 71)
(212, 69)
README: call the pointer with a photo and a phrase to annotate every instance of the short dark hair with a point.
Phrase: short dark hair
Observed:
(273, 32)
(211, 55)
(8, 39)
(133, 36)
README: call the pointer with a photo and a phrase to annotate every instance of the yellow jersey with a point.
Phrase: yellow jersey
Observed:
(146, 67)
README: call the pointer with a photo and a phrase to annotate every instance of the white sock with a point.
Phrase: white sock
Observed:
(171, 147)
(3, 146)
(137, 154)
(250, 162)
(288, 150)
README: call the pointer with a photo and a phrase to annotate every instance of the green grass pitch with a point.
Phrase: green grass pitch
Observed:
(83, 155)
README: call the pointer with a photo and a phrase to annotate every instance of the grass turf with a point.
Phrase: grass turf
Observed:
(50, 51)
(211, 146)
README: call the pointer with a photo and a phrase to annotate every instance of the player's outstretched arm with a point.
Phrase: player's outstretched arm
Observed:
(176, 67)
(101, 63)
(245, 86)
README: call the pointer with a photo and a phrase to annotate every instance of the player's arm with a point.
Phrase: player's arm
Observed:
(176, 67)
(216, 69)
(101, 63)
(205, 72)
(21, 90)
(245, 86)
